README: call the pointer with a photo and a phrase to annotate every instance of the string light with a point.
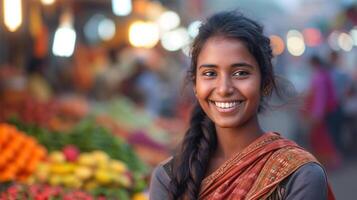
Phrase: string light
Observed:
(13, 14)
(65, 37)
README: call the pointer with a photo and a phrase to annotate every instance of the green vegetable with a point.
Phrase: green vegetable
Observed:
(87, 136)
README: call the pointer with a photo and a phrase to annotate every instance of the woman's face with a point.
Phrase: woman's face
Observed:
(228, 82)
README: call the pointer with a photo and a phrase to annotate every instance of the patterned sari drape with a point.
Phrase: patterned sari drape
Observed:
(255, 172)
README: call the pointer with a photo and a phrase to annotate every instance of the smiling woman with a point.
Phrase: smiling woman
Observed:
(225, 154)
(228, 82)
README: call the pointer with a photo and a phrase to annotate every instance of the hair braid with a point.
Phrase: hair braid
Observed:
(190, 164)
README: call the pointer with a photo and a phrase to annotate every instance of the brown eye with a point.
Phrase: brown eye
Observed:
(241, 73)
(209, 73)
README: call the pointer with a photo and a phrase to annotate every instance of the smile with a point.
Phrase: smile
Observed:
(228, 105)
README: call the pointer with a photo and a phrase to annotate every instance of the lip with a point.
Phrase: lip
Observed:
(234, 108)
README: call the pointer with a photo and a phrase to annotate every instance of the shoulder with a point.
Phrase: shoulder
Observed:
(285, 163)
(160, 180)
(291, 153)
(308, 182)
(161, 173)
(291, 158)
(311, 173)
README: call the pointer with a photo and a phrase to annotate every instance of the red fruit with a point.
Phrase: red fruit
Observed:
(13, 191)
(40, 197)
(71, 153)
(34, 190)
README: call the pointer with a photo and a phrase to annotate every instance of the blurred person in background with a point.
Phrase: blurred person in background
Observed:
(341, 85)
(143, 86)
(350, 124)
(320, 102)
(225, 154)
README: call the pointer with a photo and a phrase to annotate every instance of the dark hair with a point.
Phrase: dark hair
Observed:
(190, 163)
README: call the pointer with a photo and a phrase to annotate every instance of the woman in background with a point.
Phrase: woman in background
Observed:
(319, 104)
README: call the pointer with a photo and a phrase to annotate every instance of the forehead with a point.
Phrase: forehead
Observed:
(225, 51)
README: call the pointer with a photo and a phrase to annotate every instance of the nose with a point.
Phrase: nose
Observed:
(225, 86)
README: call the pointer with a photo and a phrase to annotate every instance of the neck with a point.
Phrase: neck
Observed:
(234, 140)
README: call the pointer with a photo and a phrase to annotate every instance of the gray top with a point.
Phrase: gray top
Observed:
(309, 182)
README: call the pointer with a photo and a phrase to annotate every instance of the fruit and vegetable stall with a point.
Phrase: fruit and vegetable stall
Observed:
(78, 153)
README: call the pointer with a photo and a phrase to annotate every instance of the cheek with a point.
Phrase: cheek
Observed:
(202, 90)
(253, 92)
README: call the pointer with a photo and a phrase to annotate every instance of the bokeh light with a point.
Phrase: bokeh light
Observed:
(345, 42)
(175, 40)
(91, 28)
(106, 29)
(193, 28)
(64, 42)
(154, 10)
(295, 43)
(12, 14)
(332, 40)
(122, 7)
(65, 36)
(48, 2)
(277, 44)
(143, 34)
(168, 21)
(312, 37)
(353, 34)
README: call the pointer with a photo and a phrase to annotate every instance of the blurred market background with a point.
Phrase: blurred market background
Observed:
(93, 93)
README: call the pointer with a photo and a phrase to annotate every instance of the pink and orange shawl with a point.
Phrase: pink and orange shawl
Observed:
(255, 172)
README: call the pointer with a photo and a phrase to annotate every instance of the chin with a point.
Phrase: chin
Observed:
(227, 124)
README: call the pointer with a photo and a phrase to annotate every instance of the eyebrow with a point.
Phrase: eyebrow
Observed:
(242, 64)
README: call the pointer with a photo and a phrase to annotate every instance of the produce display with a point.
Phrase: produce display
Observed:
(87, 158)
(37, 191)
(29, 110)
(125, 112)
(62, 114)
(20, 154)
(150, 142)
(86, 136)
(95, 150)
(90, 171)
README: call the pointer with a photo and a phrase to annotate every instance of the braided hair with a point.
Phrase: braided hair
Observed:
(190, 165)
(200, 141)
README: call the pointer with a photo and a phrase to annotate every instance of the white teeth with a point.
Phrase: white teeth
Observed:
(226, 105)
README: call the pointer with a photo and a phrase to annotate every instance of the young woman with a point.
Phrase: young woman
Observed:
(225, 154)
